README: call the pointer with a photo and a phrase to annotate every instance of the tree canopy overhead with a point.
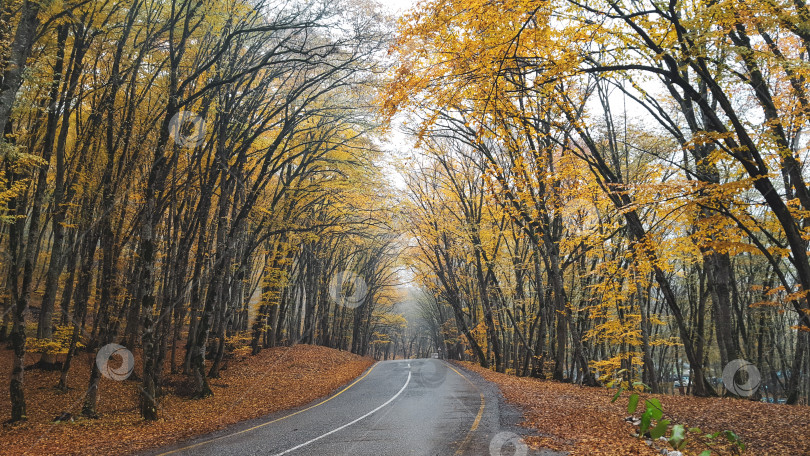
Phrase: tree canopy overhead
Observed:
(604, 192)
(651, 156)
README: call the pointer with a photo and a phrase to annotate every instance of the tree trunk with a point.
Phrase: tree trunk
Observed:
(19, 52)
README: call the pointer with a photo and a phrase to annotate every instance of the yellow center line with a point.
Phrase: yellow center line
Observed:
(275, 420)
(477, 420)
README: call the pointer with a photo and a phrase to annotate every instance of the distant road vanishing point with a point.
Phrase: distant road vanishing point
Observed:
(402, 407)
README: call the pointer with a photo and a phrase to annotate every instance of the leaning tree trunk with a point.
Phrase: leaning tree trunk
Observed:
(20, 50)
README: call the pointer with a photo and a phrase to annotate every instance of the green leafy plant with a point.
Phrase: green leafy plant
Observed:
(654, 425)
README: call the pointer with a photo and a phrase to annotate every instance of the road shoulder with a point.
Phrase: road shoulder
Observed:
(502, 421)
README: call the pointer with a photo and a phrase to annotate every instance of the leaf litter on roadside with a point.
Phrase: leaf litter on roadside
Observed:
(583, 421)
(275, 379)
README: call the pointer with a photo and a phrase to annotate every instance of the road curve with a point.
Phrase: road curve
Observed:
(402, 407)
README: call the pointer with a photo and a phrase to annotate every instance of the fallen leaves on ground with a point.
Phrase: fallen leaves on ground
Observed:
(275, 379)
(582, 420)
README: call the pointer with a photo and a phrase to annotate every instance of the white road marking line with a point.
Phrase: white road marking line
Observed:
(352, 422)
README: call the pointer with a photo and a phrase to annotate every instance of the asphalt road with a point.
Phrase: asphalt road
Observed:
(403, 407)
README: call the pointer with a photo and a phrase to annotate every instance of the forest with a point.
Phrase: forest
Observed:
(166, 163)
(612, 192)
(601, 193)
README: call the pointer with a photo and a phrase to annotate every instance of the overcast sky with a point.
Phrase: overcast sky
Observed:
(398, 6)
